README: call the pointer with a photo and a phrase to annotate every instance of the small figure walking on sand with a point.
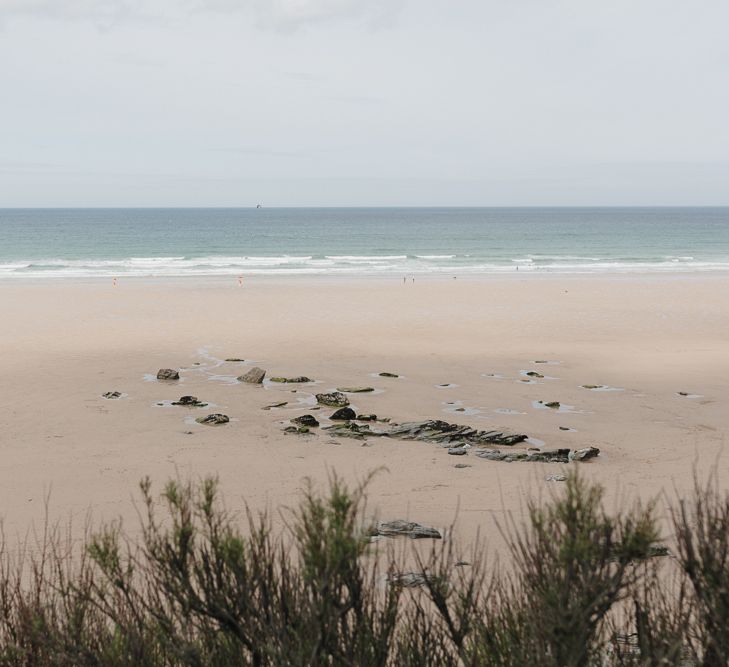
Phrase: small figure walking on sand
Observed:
(240, 281)
(113, 282)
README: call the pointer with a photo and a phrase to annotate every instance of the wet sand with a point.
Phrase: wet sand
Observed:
(64, 344)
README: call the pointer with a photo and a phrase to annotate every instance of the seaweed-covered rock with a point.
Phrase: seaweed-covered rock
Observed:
(334, 399)
(301, 430)
(305, 420)
(167, 374)
(402, 528)
(443, 433)
(295, 380)
(213, 420)
(584, 454)
(253, 376)
(343, 414)
(190, 401)
(112, 394)
(355, 390)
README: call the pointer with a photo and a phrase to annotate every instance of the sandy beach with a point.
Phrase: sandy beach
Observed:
(641, 339)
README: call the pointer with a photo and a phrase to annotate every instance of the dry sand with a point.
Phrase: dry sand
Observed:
(63, 344)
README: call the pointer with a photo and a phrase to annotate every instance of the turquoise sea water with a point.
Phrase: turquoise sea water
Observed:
(178, 242)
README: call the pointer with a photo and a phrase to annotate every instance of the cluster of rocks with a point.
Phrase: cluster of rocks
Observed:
(561, 455)
(214, 419)
(442, 433)
(190, 402)
(168, 374)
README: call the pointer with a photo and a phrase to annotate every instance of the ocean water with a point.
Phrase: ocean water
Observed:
(59, 243)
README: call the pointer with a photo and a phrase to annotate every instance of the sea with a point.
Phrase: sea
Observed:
(178, 242)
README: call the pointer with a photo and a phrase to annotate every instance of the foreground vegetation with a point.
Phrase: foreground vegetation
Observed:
(580, 588)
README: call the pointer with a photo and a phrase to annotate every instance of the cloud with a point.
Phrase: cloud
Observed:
(283, 15)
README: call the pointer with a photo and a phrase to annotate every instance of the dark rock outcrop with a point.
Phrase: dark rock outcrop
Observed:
(305, 420)
(334, 399)
(167, 374)
(584, 454)
(190, 401)
(402, 528)
(253, 376)
(213, 420)
(443, 433)
(295, 380)
(343, 414)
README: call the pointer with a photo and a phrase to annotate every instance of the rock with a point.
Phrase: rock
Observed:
(549, 456)
(564, 428)
(335, 399)
(402, 528)
(440, 432)
(112, 394)
(167, 374)
(349, 430)
(213, 420)
(496, 455)
(189, 401)
(343, 414)
(299, 379)
(389, 375)
(534, 374)
(463, 465)
(556, 478)
(234, 359)
(457, 451)
(275, 405)
(584, 454)
(253, 376)
(367, 418)
(683, 393)
(305, 420)
(407, 579)
(592, 386)
(355, 390)
(301, 430)
(555, 405)
(540, 361)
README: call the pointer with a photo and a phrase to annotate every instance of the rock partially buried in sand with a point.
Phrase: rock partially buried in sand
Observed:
(388, 375)
(592, 386)
(167, 374)
(407, 579)
(334, 399)
(213, 420)
(253, 376)
(584, 454)
(554, 405)
(402, 528)
(443, 433)
(556, 478)
(301, 430)
(305, 420)
(457, 451)
(295, 380)
(534, 374)
(343, 414)
(463, 465)
(275, 405)
(349, 429)
(190, 401)
(234, 359)
(367, 418)
(355, 390)
(544, 456)
(111, 394)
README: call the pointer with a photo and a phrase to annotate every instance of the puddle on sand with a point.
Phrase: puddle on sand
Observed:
(562, 408)
(457, 408)
(508, 411)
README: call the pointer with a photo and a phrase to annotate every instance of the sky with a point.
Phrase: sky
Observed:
(364, 102)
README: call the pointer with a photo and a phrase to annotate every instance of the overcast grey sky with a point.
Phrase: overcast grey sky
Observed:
(356, 102)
